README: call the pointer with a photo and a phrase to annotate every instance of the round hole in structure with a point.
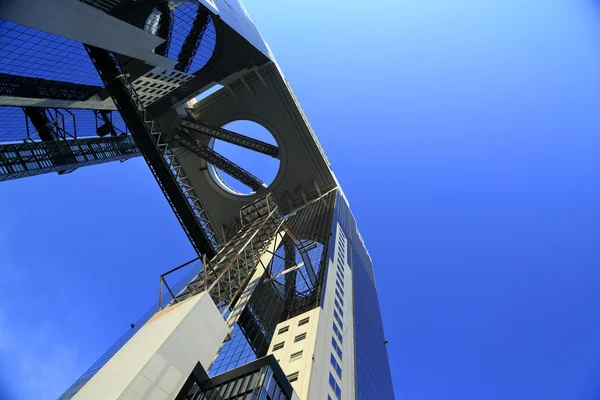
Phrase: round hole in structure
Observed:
(262, 166)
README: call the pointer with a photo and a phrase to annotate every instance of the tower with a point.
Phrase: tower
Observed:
(281, 301)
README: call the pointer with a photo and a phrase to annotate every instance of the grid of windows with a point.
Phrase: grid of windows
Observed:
(338, 314)
(183, 20)
(373, 377)
(25, 51)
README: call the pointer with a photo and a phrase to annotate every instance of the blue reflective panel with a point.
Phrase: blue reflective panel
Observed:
(373, 376)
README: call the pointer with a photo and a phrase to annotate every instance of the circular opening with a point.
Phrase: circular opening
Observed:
(262, 166)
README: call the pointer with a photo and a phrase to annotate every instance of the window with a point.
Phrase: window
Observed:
(338, 319)
(293, 377)
(296, 356)
(337, 332)
(283, 330)
(335, 387)
(340, 285)
(339, 307)
(336, 366)
(339, 276)
(303, 321)
(300, 337)
(339, 296)
(336, 347)
(278, 346)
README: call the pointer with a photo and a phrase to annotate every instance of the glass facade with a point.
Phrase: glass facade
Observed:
(373, 375)
(262, 379)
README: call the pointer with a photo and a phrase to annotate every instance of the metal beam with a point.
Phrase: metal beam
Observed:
(64, 156)
(21, 86)
(216, 159)
(231, 137)
(165, 28)
(192, 40)
(148, 137)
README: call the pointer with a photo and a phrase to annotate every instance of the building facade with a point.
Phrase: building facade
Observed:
(281, 302)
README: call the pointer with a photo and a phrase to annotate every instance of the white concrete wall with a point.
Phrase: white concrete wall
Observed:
(319, 380)
(157, 360)
(303, 365)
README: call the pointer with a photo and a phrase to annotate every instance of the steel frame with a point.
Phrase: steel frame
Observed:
(181, 137)
(21, 86)
(160, 159)
(231, 137)
(64, 156)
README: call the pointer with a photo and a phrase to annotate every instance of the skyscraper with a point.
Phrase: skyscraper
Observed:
(281, 301)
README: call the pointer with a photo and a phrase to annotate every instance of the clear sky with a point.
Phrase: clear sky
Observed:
(466, 135)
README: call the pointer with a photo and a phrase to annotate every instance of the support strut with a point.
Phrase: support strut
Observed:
(230, 137)
(147, 136)
(216, 159)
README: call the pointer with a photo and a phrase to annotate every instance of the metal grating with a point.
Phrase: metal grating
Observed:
(29, 52)
(155, 84)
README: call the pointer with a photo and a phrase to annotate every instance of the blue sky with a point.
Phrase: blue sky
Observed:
(466, 135)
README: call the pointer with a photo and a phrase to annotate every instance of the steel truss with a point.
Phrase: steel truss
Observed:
(181, 137)
(64, 156)
(226, 275)
(230, 137)
(21, 86)
(163, 164)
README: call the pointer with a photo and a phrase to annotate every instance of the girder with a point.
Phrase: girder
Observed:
(183, 201)
(21, 86)
(165, 28)
(192, 40)
(216, 159)
(230, 137)
(41, 122)
(62, 156)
